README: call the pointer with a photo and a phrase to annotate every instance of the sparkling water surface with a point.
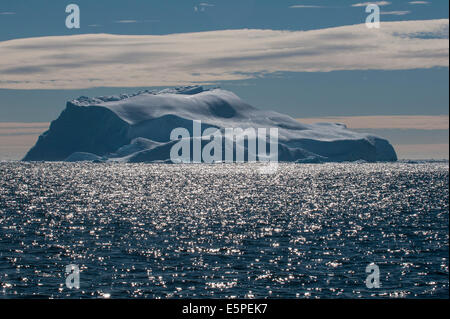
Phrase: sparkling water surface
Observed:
(196, 231)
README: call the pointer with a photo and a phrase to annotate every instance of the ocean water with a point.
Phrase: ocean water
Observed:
(224, 231)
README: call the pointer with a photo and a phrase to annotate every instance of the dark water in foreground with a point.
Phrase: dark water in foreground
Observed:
(176, 231)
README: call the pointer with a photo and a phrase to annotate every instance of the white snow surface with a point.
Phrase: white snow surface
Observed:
(127, 127)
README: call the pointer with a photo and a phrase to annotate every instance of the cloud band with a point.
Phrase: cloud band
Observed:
(94, 60)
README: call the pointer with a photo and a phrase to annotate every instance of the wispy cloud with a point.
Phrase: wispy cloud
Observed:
(413, 122)
(7, 13)
(126, 21)
(202, 6)
(365, 4)
(419, 2)
(305, 6)
(396, 13)
(131, 21)
(93, 60)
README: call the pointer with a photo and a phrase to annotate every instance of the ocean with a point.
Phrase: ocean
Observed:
(224, 230)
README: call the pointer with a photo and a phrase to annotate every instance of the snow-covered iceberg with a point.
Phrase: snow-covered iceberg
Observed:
(137, 128)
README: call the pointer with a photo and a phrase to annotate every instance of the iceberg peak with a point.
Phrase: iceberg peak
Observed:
(182, 90)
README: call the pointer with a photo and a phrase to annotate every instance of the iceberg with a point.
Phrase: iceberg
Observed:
(137, 128)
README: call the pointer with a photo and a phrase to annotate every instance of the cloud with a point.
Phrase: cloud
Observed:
(7, 13)
(396, 13)
(365, 4)
(301, 6)
(17, 138)
(13, 128)
(105, 60)
(422, 151)
(129, 21)
(202, 6)
(126, 21)
(413, 122)
(419, 2)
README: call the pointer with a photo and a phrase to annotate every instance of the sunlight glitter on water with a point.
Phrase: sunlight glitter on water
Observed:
(178, 231)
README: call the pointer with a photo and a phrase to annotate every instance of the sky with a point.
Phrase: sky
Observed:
(314, 60)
